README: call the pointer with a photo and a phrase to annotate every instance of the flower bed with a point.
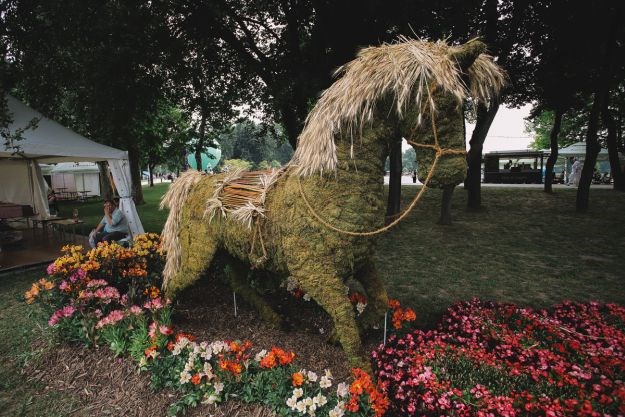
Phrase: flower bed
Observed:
(487, 359)
(110, 296)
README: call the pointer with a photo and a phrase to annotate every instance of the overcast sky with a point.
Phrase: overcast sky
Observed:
(507, 131)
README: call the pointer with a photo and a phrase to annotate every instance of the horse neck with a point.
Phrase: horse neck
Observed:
(362, 156)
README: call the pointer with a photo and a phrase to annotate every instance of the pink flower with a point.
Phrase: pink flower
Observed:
(97, 283)
(112, 318)
(152, 330)
(136, 310)
(107, 294)
(165, 330)
(64, 312)
(51, 269)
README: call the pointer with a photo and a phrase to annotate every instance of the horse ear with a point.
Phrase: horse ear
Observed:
(466, 54)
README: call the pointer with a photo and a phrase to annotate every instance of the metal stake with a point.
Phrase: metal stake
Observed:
(234, 298)
(385, 317)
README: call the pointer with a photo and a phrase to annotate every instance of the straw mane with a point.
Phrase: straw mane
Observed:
(404, 70)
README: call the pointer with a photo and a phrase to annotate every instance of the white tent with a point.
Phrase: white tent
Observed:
(578, 150)
(83, 177)
(21, 180)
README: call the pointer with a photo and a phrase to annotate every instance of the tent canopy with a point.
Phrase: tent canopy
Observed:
(578, 149)
(50, 142)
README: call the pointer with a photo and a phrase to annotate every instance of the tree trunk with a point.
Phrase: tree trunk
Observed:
(135, 175)
(615, 165)
(199, 147)
(151, 170)
(445, 218)
(599, 100)
(106, 188)
(592, 150)
(394, 181)
(553, 157)
(473, 182)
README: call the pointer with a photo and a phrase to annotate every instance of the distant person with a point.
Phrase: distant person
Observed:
(508, 165)
(113, 225)
(414, 176)
(576, 173)
(52, 201)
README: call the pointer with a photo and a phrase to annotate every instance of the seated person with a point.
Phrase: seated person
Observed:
(54, 209)
(113, 225)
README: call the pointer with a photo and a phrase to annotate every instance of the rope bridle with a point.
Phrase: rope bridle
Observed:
(439, 152)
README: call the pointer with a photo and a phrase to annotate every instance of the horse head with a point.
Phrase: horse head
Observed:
(435, 126)
(418, 87)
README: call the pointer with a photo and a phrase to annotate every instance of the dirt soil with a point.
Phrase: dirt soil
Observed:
(109, 386)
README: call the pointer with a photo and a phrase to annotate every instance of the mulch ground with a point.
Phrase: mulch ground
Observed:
(109, 386)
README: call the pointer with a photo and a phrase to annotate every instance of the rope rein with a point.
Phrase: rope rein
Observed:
(439, 152)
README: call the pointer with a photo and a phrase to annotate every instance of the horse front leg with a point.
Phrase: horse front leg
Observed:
(328, 290)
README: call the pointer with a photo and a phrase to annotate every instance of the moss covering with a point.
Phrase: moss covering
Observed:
(449, 122)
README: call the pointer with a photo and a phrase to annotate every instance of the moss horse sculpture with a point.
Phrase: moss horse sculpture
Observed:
(265, 219)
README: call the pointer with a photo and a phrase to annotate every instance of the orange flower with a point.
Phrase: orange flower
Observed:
(268, 361)
(356, 387)
(393, 304)
(409, 315)
(297, 379)
(151, 351)
(196, 379)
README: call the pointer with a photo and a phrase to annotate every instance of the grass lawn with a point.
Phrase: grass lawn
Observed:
(526, 247)
(92, 212)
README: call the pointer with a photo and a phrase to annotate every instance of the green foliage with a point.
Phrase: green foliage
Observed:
(571, 131)
(255, 143)
(231, 164)
(409, 160)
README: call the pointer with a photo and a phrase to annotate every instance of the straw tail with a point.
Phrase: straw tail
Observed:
(175, 199)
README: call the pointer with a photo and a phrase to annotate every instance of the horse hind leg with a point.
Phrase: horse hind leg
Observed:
(236, 273)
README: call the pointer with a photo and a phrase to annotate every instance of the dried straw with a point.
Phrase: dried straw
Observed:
(242, 195)
(404, 70)
(174, 199)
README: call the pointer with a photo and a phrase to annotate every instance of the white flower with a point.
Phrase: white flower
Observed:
(337, 411)
(360, 307)
(308, 401)
(312, 377)
(301, 407)
(291, 403)
(325, 382)
(219, 386)
(211, 398)
(260, 355)
(291, 284)
(306, 297)
(298, 392)
(322, 330)
(311, 412)
(320, 400)
(327, 373)
(208, 371)
(342, 390)
(185, 377)
(218, 347)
